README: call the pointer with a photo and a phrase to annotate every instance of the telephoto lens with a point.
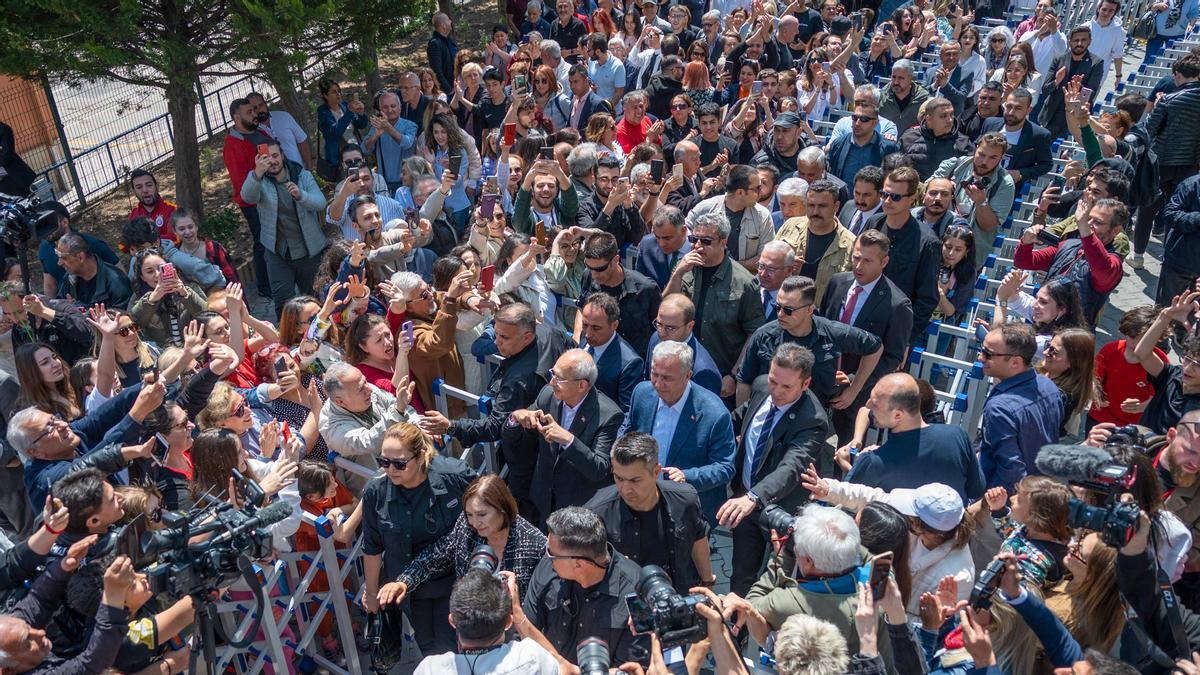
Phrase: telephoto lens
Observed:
(592, 655)
(775, 517)
(484, 558)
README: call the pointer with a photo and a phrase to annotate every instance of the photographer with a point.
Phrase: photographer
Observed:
(38, 318)
(481, 613)
(579, 588)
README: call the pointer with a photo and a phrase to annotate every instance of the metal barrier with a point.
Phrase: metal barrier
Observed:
(478, 407)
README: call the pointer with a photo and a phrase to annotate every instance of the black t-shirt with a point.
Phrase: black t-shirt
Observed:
(257, 137)
(1056, 552)
(1169, 403)
(85, 289)
(492, 113)
(709, 151)
(653, 547)
(814, 249)
(735, 231)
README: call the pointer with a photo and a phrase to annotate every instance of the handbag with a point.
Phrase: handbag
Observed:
(385, 635)
(1146, 27)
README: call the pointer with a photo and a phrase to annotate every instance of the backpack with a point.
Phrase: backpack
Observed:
(1144, 187)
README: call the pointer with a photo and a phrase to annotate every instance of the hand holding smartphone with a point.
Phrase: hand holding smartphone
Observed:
(487, 278)
(881, 567)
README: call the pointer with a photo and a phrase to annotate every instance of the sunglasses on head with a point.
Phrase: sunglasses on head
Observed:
(707, 241)
(386, 463)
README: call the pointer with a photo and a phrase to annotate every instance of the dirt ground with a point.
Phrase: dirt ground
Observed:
(473, 20)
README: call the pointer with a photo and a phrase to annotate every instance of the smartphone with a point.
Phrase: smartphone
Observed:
(825, 66)
(1086, 94)
(519, 84)
(756, 88)
(407, 327)
(371, 237)
(881, 567)
(857, 18)
(624, 180)
(510, 133)
(887, 29)
(539, 230)
(1080, 155)
(410, 217)
(487, 205)
(640, 616)
(743, 91)
(980, 332)
(656, 171)
(1049, 238)
(167, 270)
(454, 164)
(546, 152)
(159, 455)
(487, 278)
(286, 432)
(1057, 180)
(262, 149)
(677, 171)
(281, 366)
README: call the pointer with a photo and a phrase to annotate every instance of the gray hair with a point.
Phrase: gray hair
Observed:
(715, 220)
(550, 48)
(1009, 38)
(869, 90)
(583, 366)
(713, 14)
(812, 154)
(780, 246)
(674, 350)
(667, 215)
(636, 93)
(19, 436)
(332, 379)
(582, 159)
(615, 41)
(806, 645)
(405, 282)
(537, 4)
(903, 64)
(792, 187)
(638, 172)
(829, 537)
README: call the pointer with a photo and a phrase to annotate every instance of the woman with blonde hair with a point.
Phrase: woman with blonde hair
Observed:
(602, 130)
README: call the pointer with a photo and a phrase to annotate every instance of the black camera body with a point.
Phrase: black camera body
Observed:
(981, 182)
(986, 585)
(657, 608)
(1115, 522)
(23, 218)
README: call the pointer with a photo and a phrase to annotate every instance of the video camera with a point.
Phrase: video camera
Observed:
(22, 218)
(657, 608)
(592, 655)
(1094, 469)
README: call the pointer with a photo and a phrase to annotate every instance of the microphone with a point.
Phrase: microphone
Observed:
(1072, 463)
(265, 517)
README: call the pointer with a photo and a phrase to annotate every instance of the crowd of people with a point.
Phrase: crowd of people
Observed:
(685, 257)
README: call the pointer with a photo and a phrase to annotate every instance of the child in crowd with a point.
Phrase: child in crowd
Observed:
(1123, 389)
(187, 227)
(1034, 526)
(322, 495)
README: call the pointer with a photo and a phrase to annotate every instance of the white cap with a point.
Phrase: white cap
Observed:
(936, 504)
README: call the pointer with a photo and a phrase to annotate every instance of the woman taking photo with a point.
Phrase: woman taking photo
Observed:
(489, 517)
(546, 94)
(339, 122)
(448, 149)
(1055, 306)
(1069, 360)
(956, 278)
(163, 304)
(415, 503)
(299, 406)
(518, 272)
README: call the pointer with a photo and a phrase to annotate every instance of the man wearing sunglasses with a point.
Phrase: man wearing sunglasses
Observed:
(636, 295)
(89, 279)
(863, 146)
(1024, 410)
(750, 224)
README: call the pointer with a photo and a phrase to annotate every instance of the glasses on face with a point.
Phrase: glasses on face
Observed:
(569, 557)
(1189, 361)
(600, 269)
(387, 463)
(707, 241)
(679, 106)
(988, 354)
(1050, 351)
(51, 426)
(788, 311)
(863, 118)
(126, 331)
(996, 39)
(893, 196)
(658, 325)
(425, 294)
(770, 270)
(555, 377)
(182, 425)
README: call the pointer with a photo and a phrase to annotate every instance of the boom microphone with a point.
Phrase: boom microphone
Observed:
(268, 515)
(1072, 463)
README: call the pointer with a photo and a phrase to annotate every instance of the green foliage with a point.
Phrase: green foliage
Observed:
(222, 224)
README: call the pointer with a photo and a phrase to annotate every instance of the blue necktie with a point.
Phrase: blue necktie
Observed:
(761, 445)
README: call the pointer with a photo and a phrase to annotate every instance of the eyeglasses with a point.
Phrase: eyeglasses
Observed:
(51, 426)
(126, 331)
(770, 270)
(997, 39)
(863, 118)
(893, 196)
(387, 463)
(988, 354)
(182, 425)
(555, 377)
(425, 294)
(679, 106)
(600, 269)
(1050, 350)
(1189, 361)
(658, 325)
(707, 241)
(157, 514)
(788, 311)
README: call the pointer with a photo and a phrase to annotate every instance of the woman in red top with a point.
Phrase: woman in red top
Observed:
(1123, 387)
(373, 349)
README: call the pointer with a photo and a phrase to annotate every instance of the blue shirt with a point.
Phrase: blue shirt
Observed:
(938, 453)
(856, 158)
(390, 153)
(1021, 414)
(607, 77)
(1190, 10)
(666, 418)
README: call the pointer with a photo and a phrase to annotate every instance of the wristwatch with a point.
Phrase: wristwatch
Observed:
(754, 498)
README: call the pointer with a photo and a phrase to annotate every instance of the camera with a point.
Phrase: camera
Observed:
(483, 558)
(986, 585)
(1115, 522)
(1130, 435)
(592, 655)
(22, 218)
(657, 608)
(980, 182)
(1048, 238)
(775, 517)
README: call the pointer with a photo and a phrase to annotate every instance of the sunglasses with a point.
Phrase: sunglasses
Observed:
(988, 354)
(707, 241)
(893, 196)
(679, 106)
(584, 558)
(1050, 350)
(126, 331)
(788, 311)
(386, 463)
(863, 118)
(600, 269)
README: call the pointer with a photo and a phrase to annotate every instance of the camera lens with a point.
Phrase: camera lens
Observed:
(592, 656)
(777, 518)
(484, 558)
(654, 584)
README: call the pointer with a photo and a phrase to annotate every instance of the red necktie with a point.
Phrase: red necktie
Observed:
(848, 310)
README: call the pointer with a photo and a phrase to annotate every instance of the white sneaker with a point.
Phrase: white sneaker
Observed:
(1136, 261)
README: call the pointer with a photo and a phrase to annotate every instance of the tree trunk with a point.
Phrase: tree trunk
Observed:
(181, 105)
(370, 55)
(446, 6)
(277, 72)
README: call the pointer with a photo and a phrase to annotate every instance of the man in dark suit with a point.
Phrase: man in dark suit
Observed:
(781, 430)
(1030, 158)
(635, 293)
(690, 423)
(584, 101)
(1079, 63)
(661, 250)
(675, 322)
(619, 365)
(577, 425)
(866, 299)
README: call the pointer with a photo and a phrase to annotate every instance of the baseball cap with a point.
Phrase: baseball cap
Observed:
(787, 119)
(936, 504)
(840, 26)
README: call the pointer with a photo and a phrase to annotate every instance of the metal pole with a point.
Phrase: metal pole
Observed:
(204, 108)
(66, 145)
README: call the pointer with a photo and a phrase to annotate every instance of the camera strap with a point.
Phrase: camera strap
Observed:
(477, 653)
(1174, 617)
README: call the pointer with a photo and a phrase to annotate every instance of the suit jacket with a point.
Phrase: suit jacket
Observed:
(846, 217)
(1031, 155)
(686, 196)
(704, 369)
(795, 441)
(652, 262)
(886, 313)
(702, 446)
(591, 105)
(1054, 110)
(620, 369)
(571, 475)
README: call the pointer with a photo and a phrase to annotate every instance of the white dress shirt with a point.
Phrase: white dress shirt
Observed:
(862, 299)
(1045, 50)
(756, 429)
(666, 420)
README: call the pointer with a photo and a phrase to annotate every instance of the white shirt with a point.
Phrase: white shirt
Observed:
(862, 299)
(666, 419)
(756, 429)
(568, 414)
(289, 134)
(1108, 42)
(525, 657)
(1045, 50)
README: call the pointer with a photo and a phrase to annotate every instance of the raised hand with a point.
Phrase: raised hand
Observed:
(100, 319)
(812, 481)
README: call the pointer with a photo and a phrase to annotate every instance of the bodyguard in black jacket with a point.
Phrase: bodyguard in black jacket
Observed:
(937, 139)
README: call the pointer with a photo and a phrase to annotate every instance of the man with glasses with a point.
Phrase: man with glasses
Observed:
(52, 447)
(575, 425)
(863, 146)
(936, 211)
(636, 295)
(578, 590)
(985, 191)
(412, 101)
(610, 206)
(983, 107)
(947, 79)
(89, 280)
(1176, 388)
(777, 262)
(653, 520)
(870, 95)
(750, 224)
(821, 244)
(619, 366)
(728, 307)
(915, 253)
(675, 323)
(356, 415)
(1023, 412)
(799, 324)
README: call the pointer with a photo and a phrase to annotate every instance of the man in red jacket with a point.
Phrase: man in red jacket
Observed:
(241, 148)
(151, 205)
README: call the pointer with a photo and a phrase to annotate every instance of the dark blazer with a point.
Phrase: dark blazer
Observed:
(795, 441)
(702, 445)
(620, 369)
(686, 196)
(704, 369)
(591, 105)
(571, 475)
(886, 313)
(652, 262)
(1054, 107)
(1031, 155)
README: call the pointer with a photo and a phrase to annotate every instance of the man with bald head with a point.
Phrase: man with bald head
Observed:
(675, 322)
(915, 453)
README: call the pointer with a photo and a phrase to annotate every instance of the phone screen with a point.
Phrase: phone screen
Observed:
(408, 331)
(510, 133)
(280, 366)
(880, 568)
(487, 206)
(546, 152)
(167, 270)
(756, 88)
(677, 171)
(639, 612)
